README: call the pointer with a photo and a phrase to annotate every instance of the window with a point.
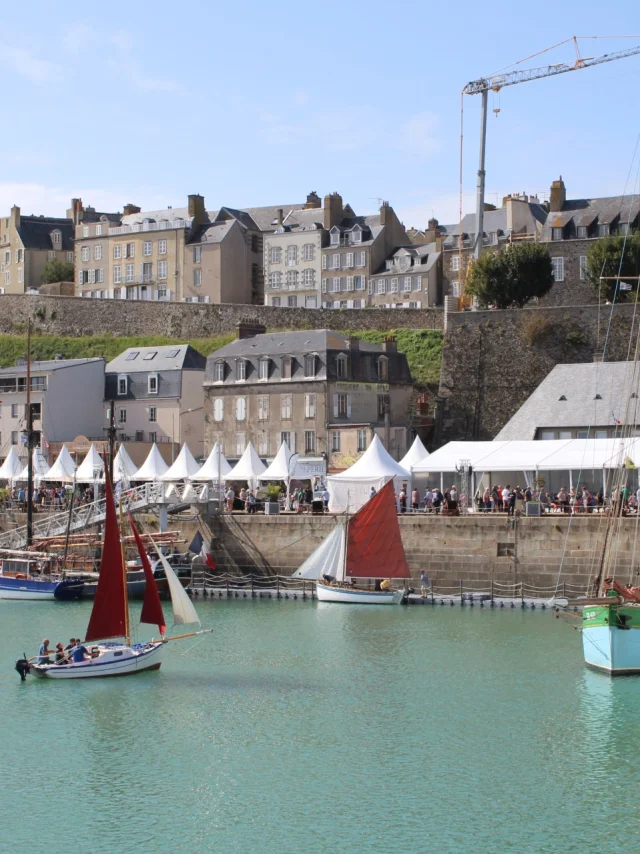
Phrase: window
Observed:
(197, 277)
(84, 253)
(153, 414)
(263, 407)
(14, 437)
(218, 409)
(356, 236)
(133, 355)
(292, 279)
(383, 368)
(117, 252)
(275, 280)
(153, 436)
(286, 367)
(275, 301)
(359, 282)
(307, 252)
(583, 232)
(241, 408)
(51, 256)
(14, 410)
(308, 277)
(361, 259)
(557, 265)
(129, 273)
(382, 286)
(455, 289)
(99, 275)
(310, 365)
(310, 302)
(263, 369)
(219, 372)
(349, 260)
(292, 256)
(335, 238)
(162, 269)
(162, 247)
(70, 257)
(152, 383)
(97, 252)
(309, 442)
(263, 443)
(122, 416)
(197, 254)
(603, 230)
(275, 255)
(341, 405)
(85, 231)
(309, 406)
(557, 233)
(350, 285)
(335, 261)
(417, 283)
(393, 286)
(362, 440)
(335, 440)
(455, 263)
(285, 406)
(122, 384)
(20, 275)
(147, 271)
(117, 274)
(241, 370)
(324, 262)
(288, 437)
(292, 302)
(129, 250)
(406, 284)
(583, 267)
(146, 248)
(341, 367)
(241, 442)
(335, 284)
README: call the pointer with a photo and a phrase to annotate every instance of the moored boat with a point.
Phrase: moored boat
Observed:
(611, 630)
(34, 577)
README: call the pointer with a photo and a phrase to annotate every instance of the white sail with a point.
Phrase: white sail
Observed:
(183, 611)
(327, 559)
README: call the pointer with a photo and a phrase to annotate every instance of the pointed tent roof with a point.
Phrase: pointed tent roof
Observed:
(11, 467)
(63, 469)
(123, 466)
(248, 467)
(40, 467)
(374, 463)
(91, 464)
(184, 467)
(215, 462)
(279, 468)
(416, 453)
(153, 467)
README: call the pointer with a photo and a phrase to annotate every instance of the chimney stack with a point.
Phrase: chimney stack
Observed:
(390, 345)
(15, 216)
(129, 209)
(313, 201)
(557, 196)
(280, 216)
(197, 210)
(333, 212)
(249, 329)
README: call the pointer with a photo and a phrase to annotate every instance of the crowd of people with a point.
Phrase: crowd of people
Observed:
(297, 500)
(47, 498)
(74, 652)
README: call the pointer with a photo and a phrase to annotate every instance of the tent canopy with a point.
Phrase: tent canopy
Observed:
(416, 453)
(63, 469)
(40, 467)
(350, 489)
(12, 466)
(123, 466)
(91, 465)
(215, 466)
(249, 467)
(153, 467)
(280, 465)
(184, 467)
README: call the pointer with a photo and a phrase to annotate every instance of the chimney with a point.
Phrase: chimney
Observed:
(353, 343)
(433, 224)
(129, 209)
(249, 329)
(384, 213)
(197, 209)
(75, 211)
(313, 201)
(280, 216)
(557, 196)
(390, 345)
(15, 216)
(332, 210)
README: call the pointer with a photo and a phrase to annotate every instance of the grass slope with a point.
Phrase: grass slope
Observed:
(422, 346)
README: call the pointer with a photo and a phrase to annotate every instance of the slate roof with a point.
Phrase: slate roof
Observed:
(303, 220)
(35, 232)
(185, 358)
(165, 213)
(264, 218)
(425, 256)
(47, 365)
(579, 384)
(214, 233)
(590, 212)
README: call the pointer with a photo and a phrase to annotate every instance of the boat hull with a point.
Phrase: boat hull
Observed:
(611, 639)
(348, 596)
(114, 660)
(36, 590)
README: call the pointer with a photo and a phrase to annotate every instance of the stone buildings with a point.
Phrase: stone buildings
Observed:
(158, 397)
(410, 278)
(323, 393)
(27, 243)
(67, 395)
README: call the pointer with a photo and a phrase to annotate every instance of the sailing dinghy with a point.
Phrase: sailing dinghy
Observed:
(368, 545)
(110, 615)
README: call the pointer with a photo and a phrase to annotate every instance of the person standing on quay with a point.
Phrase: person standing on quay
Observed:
(415, 500)
(425, 584)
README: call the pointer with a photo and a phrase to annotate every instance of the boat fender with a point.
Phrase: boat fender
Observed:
(20, 575)
(23, 667)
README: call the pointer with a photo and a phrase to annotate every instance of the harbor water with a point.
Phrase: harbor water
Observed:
(302, 727)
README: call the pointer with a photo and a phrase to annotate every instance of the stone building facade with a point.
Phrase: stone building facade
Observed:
(323, 393)
(27, 243)
(410, 278)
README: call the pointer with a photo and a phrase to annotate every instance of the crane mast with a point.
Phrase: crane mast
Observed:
(496, 82)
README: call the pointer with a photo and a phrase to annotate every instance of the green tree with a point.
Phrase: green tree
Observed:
(57, 271)
(512, 277)
(604, 260)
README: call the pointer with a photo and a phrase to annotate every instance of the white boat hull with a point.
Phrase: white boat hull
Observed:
(23, 593)
(347, 596)
(114, 660)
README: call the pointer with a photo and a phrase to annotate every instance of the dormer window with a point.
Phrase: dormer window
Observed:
(341, 366)
(241, 370)
(583, 232)
(218, 372)
(383, 369)
(122, 384)
(389, 264)
(264, 369)
(286, 367)
(557, 233)
(335, 237)
(356, 235)
(562, 397)
(623, 228)
(310, 366)
(603, 229)
(152, 383)
(56, 236)
(598, 397)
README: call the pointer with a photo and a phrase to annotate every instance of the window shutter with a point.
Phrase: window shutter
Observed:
(324, 262)
(335, 405)
(292, 440)
(348, 406)
(324, 286)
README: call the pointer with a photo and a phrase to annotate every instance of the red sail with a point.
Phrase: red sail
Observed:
(151, 607)
(374, 546)
(109, 614)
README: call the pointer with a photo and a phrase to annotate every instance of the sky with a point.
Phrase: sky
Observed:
(258, 103)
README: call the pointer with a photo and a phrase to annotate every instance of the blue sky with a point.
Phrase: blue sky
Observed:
(258, 103)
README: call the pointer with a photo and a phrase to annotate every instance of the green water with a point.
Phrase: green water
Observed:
(299, 727)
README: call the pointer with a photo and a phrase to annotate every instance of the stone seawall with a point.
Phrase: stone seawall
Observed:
(465, 548)
(493, 360)
(74, 316)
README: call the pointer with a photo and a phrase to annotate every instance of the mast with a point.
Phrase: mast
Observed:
(29, 414)
(127, 622)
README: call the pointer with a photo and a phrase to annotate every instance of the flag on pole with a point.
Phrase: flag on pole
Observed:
(196, 544)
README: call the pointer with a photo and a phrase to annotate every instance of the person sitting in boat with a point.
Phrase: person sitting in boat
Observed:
(328, 579)
(60, 655)
(43, 652)
(386, 584)
(80, 652)
(69, 647)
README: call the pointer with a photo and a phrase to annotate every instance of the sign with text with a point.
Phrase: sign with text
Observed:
(372, 388)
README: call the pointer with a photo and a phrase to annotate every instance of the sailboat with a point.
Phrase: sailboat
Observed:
(367, 545)
(110, 615)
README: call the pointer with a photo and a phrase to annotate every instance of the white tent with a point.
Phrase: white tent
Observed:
(416, 454)
(11, 467)
(214, 466)
(123, 466)
(40, 468)
(249, 467)
(91, 468)
(350, 489)
(280, 467)
(63, 469)
(153, 468)
(184, 467)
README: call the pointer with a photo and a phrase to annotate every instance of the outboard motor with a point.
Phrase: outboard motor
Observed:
(23, 667)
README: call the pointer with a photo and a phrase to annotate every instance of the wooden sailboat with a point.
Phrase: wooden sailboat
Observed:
(110, 615)
(366, 546)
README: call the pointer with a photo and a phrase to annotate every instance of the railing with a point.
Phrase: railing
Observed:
(150, 226)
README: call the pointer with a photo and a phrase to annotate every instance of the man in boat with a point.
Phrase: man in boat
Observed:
(43, 652)
(80, 652)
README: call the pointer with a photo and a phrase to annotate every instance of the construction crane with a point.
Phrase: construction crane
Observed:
(496, 82)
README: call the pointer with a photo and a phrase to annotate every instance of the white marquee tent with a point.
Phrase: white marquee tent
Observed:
(11, 467)
(123, 466)
(280, 467)
(214, 466)
(350, 489)
(63, 469)
(184, 467)
(153, 468)
(248, 468)
(91, 465)
(40, 468)
(416, 454)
